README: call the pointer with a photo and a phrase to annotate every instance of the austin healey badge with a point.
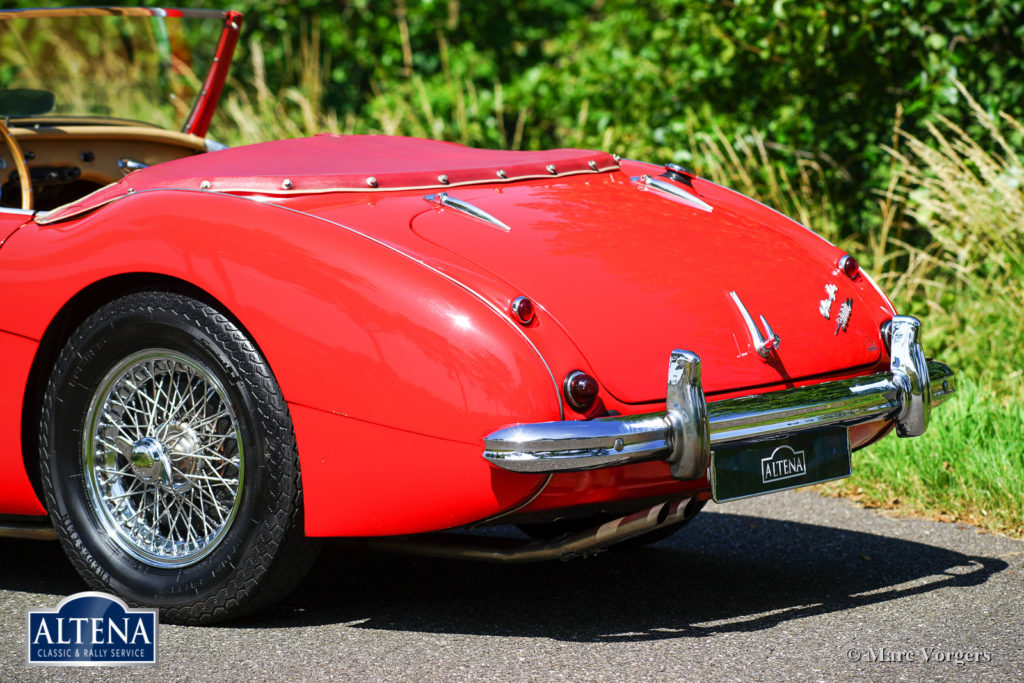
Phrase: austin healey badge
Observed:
(843, 317)
(825, 305)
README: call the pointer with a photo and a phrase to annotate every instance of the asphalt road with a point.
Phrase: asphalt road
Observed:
(790, 586)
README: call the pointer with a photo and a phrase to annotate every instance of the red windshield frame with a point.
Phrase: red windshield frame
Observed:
(198, 121)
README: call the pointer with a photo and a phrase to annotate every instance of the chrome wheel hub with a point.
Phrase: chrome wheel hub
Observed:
(163, 460)
(167, 463)
(148, 460)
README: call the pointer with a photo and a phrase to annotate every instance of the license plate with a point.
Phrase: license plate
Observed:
(785, 463)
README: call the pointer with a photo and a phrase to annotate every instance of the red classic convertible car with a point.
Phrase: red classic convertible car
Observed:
(210, 357)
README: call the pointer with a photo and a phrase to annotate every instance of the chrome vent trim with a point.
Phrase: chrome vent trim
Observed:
(673, 190)
(444, 199)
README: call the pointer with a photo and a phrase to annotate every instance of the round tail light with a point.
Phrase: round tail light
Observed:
(522, 309)
(580, 390)
(849, 266)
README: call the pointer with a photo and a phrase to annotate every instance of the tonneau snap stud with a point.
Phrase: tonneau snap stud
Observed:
(592, 164)
(286, 184)
(502, 174)
(371, 181)
(443, 179)
(551, 169)
(205, 185)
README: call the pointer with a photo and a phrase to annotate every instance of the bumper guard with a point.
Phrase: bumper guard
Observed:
(689, 428)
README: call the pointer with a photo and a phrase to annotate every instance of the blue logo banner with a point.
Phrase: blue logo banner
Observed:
(91, 629)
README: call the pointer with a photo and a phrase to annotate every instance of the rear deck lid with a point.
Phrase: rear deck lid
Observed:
(631, 274)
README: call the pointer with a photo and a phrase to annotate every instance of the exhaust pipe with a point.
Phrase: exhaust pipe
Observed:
(28, 530)
(514, 551)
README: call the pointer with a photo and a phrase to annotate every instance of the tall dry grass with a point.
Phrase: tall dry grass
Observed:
(749, 163)
(966, 193)
(256, 110)
(960, 196)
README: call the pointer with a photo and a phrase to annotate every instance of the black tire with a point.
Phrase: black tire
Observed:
(168, 462)
(549, 531)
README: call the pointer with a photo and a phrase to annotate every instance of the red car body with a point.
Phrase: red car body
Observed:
(379, 276)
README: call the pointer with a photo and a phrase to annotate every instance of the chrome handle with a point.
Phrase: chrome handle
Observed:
(444, 199)
(763, 346)
(128, 165)
(674, 190)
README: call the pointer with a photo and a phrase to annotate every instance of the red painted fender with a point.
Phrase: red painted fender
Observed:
(394, 371)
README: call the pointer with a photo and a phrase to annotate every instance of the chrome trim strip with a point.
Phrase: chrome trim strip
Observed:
(23, 212)
(903, 394)
(674, 190)
(78, 207)
(444, 199)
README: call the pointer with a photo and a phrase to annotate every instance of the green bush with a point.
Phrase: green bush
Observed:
(820, 81)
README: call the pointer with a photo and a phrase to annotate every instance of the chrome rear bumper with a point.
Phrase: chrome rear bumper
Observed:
(689, 428)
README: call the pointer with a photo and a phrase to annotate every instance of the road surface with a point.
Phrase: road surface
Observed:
(789, 586)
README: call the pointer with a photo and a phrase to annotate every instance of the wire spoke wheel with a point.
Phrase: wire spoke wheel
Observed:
(168, 461)
(163, 458)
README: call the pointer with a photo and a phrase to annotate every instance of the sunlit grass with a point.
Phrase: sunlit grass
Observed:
(967, 283)
(968, 467)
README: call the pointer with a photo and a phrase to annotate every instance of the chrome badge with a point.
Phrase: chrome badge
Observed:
(825, 305)
(763, 346)
(843, 317)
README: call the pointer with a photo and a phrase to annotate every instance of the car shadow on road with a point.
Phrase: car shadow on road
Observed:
(37, 567)
(722, 573)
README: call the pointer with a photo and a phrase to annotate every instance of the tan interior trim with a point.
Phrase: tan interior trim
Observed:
(18, 157)
(133, 133)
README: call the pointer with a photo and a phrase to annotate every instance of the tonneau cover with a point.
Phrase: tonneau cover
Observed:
(340, 163)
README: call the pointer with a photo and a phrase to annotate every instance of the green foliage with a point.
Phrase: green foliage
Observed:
(821, 80)
(965, 194)
(824, 78)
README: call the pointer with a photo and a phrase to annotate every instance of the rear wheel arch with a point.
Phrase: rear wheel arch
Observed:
(79, 307)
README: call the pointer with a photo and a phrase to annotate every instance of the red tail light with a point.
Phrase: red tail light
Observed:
(522, 309)
(580, 390)
(849, 265)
